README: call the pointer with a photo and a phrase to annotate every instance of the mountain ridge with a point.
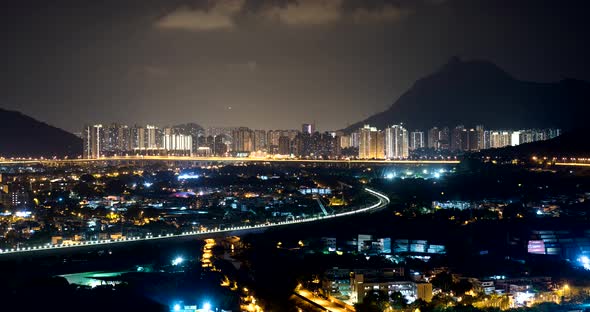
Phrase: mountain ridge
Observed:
(476, 92)
(24, 136)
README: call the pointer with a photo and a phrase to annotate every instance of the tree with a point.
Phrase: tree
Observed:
(133, 212)
(461, 287)
(374, 301)
(87, 178)
(114, 187)
(443, 281)
(441, 300)
(12, 237)
(420, 304)
(398, 301)
(84, 190)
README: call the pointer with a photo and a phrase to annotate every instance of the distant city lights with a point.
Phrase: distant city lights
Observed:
(23, 214)
(585, 261)
(522, 297)
(424, 174)
(177, 261)
(383, 202)
(188, 176)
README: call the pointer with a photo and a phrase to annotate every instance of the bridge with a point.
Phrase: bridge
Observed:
(190, 159)
(382, 202)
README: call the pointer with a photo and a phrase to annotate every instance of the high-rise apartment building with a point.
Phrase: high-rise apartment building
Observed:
(434, 138)
(469, 140)
(284, 145)
(480, 137)
(380, 148)
(178, 143)
(515, 138)
(242, 140)
(396, 142)
(260, 140)
(93, 141)
(273, 137)
(308, 128)
(438, 138)
(221, 145)
(371, 143)
(417, 140)
(487, 143)
(117, 139)
(344, 141)
(553, 133)
(500, 139)
(137, 138)
(456, 138)
(354, 139)
(150, 137)
(445, 138)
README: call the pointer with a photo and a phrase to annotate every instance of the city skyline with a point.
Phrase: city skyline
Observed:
(295, 156)
(368, 142)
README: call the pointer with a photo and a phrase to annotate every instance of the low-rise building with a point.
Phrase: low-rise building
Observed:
(362, 284)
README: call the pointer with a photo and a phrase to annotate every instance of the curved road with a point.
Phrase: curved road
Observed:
(382, 202)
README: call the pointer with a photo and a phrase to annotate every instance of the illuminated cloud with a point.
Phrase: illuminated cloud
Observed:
(387, 13)
(222, 14)
(218, 16)
(305, 12)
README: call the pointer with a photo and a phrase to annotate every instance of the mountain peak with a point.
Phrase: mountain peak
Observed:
(456, 68)
(479, 92)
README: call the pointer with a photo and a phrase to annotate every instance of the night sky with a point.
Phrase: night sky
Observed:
(264, 64)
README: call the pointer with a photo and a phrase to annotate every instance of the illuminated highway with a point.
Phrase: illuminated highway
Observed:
(383, 201)
(573, 164)
(218, 159)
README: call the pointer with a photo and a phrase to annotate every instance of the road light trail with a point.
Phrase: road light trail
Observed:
(383, 201)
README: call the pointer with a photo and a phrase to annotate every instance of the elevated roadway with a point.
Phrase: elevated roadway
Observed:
(188, 159)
